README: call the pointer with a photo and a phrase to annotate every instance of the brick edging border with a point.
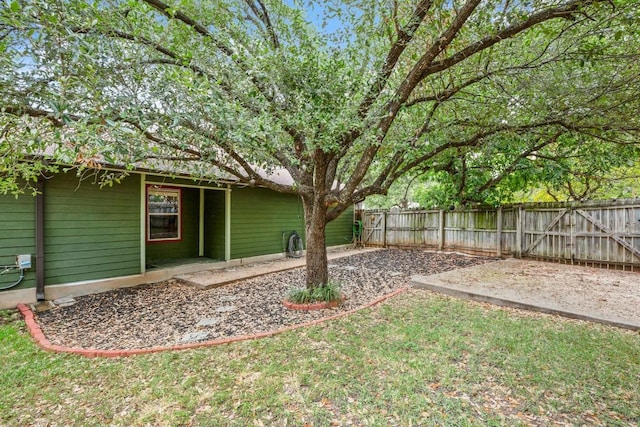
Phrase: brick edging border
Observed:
(43, 342)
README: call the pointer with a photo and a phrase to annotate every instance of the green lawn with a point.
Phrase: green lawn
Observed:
(420, 359)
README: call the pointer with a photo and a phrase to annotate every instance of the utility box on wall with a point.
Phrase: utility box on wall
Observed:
(23, 261)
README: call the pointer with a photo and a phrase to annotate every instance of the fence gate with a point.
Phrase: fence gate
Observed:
(608, 235)
(547, 233)
(374, 227)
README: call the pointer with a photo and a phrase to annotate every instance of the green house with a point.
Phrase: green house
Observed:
(77, 238)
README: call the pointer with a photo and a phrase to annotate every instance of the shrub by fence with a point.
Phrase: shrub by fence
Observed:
(599, 233)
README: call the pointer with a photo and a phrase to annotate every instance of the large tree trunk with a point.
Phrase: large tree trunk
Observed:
(315, 216)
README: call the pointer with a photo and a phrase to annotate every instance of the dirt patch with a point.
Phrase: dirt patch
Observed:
(609, 296)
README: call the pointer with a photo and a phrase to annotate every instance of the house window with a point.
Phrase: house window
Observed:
(164, 214)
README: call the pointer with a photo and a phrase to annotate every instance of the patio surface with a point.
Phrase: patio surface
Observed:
(594, 294)
(208, 279)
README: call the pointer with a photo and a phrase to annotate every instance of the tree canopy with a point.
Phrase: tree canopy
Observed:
(346, 96)
(571, 169)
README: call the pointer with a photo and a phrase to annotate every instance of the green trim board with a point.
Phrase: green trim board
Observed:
(184, 182)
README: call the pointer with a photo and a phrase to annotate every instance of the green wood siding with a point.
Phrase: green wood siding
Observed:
(340, 230)
(260, 218)
(214, 224)
(187, 247)
(17, 236)
(91, 233)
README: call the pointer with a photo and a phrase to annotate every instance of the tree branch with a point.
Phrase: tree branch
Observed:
(404, 37)
(260, 11)
(171, 13)
(32, 112)
(567, 10)
(470, 142)
(406, 88)
(498, 178)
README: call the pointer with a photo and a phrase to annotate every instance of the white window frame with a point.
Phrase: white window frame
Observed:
(164, 191)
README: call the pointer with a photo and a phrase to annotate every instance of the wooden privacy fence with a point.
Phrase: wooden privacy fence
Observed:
(602, 233)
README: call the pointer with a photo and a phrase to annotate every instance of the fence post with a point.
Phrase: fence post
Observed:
(441, 229)
(499, 232)
(384, 229)
(519, 232)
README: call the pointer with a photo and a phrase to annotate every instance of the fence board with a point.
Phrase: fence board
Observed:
(599, 233)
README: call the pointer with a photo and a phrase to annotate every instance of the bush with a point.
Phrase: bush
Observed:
(326, 293)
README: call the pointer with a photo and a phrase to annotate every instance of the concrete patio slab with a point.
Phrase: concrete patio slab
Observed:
(213, 278)
(606, 296)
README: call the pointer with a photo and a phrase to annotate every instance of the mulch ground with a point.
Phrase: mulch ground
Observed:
(172, 313)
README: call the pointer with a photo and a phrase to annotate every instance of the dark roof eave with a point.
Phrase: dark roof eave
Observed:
(137, 170)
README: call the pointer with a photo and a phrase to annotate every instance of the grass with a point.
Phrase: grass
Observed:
(420, 359)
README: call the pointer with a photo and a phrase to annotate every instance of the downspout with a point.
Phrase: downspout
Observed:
(143, 223)
(227, 224)
(201, 224)
(40, 239)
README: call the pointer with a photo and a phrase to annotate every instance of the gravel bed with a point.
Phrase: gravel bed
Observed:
(170, 312)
